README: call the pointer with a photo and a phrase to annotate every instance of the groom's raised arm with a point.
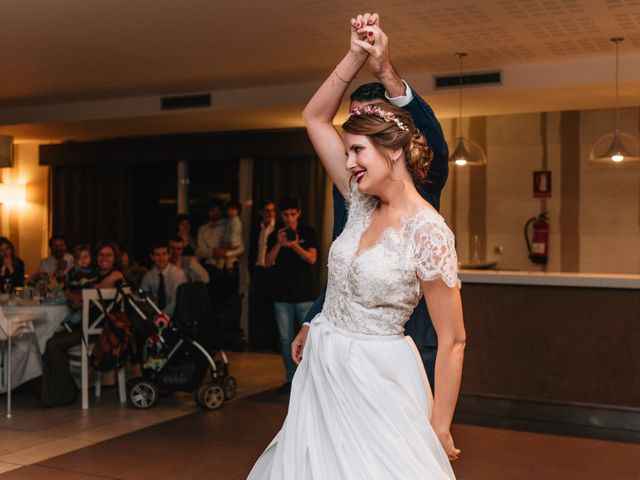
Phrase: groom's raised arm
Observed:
(428, 124)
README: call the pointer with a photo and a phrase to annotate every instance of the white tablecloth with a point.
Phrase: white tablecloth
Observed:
(25, 364)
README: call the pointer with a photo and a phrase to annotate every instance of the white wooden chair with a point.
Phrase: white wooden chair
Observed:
(11, 327)
(92, 327)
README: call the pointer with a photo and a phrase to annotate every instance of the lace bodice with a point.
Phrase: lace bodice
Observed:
(375, 292)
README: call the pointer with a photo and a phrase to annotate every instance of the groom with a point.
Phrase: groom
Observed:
(394, 90)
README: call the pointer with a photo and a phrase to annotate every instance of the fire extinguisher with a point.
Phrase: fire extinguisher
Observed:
(538, 246)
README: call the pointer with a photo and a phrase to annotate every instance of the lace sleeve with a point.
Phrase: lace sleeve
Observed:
(435, 253)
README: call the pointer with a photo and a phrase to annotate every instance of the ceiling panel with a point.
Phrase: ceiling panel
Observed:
(77, 50)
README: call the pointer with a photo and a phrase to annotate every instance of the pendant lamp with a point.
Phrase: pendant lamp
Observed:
(467, 152)
(616, 147)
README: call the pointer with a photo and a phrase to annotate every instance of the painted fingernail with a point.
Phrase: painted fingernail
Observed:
(370, 22)
(370, 33)
(358, 24)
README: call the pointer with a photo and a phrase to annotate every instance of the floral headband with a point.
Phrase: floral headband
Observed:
(376, 111)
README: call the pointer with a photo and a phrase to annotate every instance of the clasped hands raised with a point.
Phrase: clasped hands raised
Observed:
(367, 38)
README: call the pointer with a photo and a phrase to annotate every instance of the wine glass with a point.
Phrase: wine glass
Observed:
(7, 286)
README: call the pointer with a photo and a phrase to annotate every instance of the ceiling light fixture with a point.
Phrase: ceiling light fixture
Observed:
(467, 152)
(618, 146)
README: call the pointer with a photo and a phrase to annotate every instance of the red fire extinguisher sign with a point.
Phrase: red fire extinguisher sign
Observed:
(542, 184)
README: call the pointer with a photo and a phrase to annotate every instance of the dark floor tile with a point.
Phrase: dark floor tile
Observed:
(37, 472)
(223, 445)
(213, 445)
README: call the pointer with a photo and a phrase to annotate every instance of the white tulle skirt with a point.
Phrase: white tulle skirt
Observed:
(359, 409)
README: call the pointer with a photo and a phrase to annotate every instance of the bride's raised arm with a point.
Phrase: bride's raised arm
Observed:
(319, 113)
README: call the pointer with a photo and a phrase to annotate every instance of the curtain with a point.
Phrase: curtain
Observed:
(275, 178)
(92, 203)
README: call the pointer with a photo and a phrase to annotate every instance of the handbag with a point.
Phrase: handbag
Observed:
(113, 346)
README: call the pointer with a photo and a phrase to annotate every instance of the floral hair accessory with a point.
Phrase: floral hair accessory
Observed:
(376, 111)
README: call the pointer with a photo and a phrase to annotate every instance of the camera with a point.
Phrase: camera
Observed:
(291, 234)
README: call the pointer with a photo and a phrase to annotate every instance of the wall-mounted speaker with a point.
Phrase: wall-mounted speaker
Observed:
(6, 151)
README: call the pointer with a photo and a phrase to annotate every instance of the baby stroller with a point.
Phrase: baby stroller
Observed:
(174, 358)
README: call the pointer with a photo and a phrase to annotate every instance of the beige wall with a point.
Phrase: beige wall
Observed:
(607, 208)
(27, 225)
(605, 211)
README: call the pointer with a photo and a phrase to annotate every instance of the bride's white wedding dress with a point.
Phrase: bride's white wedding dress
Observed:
(360, 401)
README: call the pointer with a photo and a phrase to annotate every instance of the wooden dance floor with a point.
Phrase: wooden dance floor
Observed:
(223, 445)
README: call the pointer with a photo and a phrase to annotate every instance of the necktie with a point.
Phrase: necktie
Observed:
(162, 293)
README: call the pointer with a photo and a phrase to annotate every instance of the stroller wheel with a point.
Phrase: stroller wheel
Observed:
(143, 394)
(209, 396)
(229, 386)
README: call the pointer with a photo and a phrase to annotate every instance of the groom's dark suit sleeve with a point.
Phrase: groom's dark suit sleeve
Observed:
(429, 126)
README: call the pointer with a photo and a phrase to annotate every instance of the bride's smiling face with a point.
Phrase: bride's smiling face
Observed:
(367, 163)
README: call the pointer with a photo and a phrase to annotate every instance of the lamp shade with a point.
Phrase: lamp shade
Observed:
(616, 147)
(467, 153)
(12, 194)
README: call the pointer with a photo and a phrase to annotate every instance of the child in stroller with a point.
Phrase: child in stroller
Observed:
(176, 356)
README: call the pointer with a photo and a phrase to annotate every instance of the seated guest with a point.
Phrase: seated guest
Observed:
(133, 272)
(82, 275)
(11, 267)
(184, 232)
(109, 264)
(192, 268)
(58, 386)
(58, 264)
(164, 278)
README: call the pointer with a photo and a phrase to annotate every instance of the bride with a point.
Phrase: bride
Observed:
(361, 406)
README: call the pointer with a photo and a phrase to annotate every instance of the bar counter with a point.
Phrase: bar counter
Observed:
(561, 338)
(551, 279)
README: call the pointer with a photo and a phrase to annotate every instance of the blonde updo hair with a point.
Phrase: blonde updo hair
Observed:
(388, 134)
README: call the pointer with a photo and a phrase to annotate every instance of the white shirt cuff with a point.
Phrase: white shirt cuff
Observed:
(403, 100)
(307, 324)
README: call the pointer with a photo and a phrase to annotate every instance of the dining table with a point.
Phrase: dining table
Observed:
(47, 319)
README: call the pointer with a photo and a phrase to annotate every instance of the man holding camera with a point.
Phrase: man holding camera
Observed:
(292, 251)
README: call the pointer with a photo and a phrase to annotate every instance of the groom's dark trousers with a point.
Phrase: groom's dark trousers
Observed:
(419, 327)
